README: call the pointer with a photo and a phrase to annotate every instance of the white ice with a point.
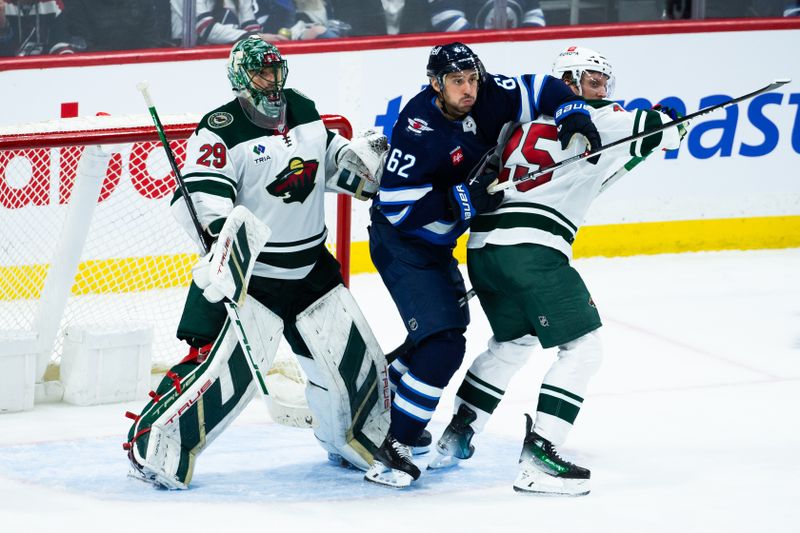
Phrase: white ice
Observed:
(691, 425)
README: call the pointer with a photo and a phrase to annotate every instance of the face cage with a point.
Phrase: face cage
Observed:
(271, 96)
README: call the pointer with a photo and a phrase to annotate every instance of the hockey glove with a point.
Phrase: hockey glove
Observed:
(674, 114)
(471, 198)
(572, 118)
(363, 159)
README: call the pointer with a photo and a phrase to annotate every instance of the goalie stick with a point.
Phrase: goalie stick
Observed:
(580, 157)
(230, 307)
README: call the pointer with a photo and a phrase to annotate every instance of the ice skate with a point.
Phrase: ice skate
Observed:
(454, 444)
(544, 471)
(423, 444)
(393, 466)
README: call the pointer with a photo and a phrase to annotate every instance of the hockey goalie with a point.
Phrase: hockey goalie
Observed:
(256, 172)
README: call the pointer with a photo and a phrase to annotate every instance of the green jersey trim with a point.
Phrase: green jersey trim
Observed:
(515, 220)
(299, 259)
(301, 242)
(532, 205)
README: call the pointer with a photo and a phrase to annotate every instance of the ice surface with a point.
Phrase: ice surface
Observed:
(689, 426)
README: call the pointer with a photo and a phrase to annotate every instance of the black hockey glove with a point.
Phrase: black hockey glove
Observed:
(573, 118)
(471, 198)
(673, 114)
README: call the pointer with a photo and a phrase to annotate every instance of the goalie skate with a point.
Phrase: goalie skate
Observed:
(422, 446)
(544, 471)
(454, 444)
(153, 479)
(393, 466)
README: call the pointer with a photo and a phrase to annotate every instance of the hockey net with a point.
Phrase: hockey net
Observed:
(134, 265)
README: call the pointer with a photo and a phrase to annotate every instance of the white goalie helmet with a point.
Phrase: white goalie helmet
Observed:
(577, 60)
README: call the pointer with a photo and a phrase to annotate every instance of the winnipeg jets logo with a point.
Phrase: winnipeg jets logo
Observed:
(417, 125)
(295, 182)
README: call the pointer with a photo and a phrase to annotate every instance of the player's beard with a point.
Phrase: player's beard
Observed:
(454, 112)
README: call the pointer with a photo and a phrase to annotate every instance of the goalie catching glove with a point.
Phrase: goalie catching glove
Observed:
(224, 272)
(363, 158)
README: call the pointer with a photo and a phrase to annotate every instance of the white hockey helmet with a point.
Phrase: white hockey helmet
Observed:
(577, 60)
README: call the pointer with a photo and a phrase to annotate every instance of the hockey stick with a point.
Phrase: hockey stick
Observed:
(580, 157)
(230, 307)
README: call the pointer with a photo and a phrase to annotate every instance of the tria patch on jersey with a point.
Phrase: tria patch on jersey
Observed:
(417, 125)
(457, 156)
(295, 182)
(220, 120)
(261, 156)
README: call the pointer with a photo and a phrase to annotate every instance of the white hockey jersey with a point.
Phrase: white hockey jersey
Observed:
(281, 178)
(549, 210)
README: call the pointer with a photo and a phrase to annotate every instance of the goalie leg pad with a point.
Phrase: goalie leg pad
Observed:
(348, 389)
(197, 400)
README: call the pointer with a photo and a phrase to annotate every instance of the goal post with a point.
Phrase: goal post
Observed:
(90, 248)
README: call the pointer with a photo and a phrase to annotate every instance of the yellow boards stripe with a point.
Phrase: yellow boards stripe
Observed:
(613, 240)
(643, 238)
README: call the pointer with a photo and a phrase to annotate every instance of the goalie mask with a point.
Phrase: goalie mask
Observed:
(257, 74)
(579, 61)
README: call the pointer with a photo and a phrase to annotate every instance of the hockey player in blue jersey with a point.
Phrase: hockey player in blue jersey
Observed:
(424, 205)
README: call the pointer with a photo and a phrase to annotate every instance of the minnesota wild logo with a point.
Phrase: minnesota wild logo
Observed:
(295, 182)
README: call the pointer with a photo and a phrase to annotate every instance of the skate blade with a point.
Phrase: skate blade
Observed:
(441, 462)
(388, 477)
(155, 480)
(148, 480)
(542, 484)
(420, 450)
(338, 460)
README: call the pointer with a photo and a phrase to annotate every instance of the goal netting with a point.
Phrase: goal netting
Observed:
(76, 256)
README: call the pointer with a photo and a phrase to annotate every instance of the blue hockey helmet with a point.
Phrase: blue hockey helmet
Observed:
(453, 57)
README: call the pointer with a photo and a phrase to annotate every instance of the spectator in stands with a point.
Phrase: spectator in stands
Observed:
(100, 25)
(457, 15)
(301, 19)
(28, 27)
(381, 17)
(274, 16)
(219, 21)
(682, 9)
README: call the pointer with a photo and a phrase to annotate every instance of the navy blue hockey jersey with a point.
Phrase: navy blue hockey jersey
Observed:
(430, 154)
